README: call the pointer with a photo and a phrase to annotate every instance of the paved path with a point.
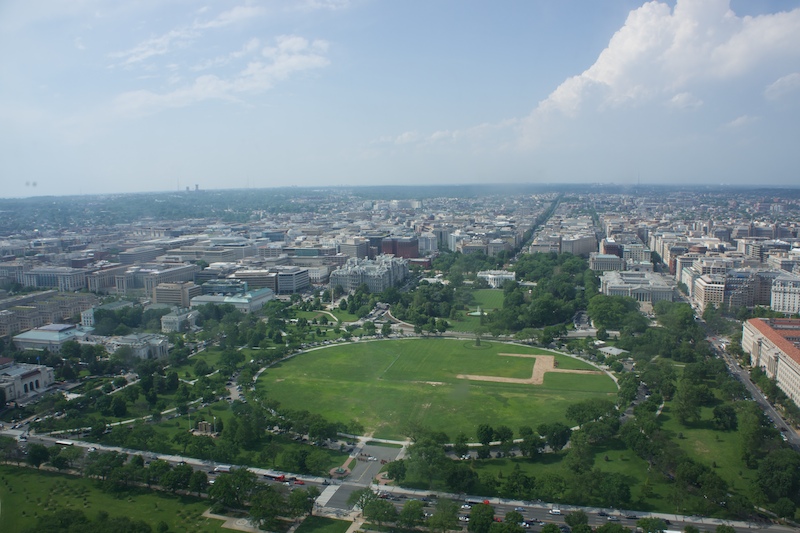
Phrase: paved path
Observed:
(543, 365)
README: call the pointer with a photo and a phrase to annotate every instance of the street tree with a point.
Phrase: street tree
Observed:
(576, 518)
(651, 525)
(266, 505)
(445, 516)
(361, 498)
(481, 518)
(380, 511)
(412, 514)
(38, 454)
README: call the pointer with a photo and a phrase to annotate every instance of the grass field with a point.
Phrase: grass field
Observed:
(320, 524)
(26, 494)
(488, 299)
(386, 385)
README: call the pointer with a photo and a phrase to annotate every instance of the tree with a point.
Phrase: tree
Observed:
(445, 516)
(725, 417)
(556, 434)
(481, 518)
(37, 454)
(380, 511)
(301, 502)
(361, 498)
(513, 517)
(724, 529)
(779, 474)
(232, 490)
(651, 525)
(575, 518)
(396, 470)
(550, 528)
(785, 508)
(198, 482)
(485, 434)
(266, 505)
(426, 460)
(612, 527)
(412, 514)
(386, 329)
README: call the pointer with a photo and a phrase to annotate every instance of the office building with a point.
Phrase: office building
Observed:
(774, 347)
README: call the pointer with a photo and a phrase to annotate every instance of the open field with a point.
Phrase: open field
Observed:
(488, 299)
(26, 494)
(320, 524)
(387, 385)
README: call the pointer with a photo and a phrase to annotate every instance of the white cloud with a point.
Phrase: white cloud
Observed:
(291, 54)
(332, 5)
(660, 50)
(741, 122)
(155, 46)
(233, 16)
(684, 100)
(783, 87)
(407, 137)
(249, 48)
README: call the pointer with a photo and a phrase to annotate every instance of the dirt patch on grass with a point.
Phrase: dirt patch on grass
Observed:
(542, 365)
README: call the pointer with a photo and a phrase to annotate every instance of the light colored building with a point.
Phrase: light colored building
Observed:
(51, 337)
(177, 294)
(21, 380)
(774, 346)
(641, 286)
(178, 320)
(379, 274)
(142, 345)
(292, 279)
(62, 278)
(785, 296)
(605, 262)
(245, 302)
(709, 289)
(496, 278)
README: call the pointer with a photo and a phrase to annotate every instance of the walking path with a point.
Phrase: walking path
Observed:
(543, 364)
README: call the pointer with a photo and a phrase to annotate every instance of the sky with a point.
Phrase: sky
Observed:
(104, 97)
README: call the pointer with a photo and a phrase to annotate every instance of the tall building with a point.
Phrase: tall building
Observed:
(177, 294)
(406, 247)
(785, 296)
(355, 248)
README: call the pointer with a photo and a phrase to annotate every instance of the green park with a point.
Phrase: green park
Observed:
(388, 386)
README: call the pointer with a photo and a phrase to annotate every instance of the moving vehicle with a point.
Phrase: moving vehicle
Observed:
(65, 443)
(224, 469)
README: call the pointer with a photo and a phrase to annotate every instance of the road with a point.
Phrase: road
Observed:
(334, 494)
(743, 375)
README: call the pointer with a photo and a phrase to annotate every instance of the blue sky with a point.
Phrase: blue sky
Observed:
(156, 95)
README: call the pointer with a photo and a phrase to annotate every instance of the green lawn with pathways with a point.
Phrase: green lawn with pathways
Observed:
(385, 385)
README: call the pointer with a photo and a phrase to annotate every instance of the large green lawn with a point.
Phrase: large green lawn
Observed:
(26, 494)
(488, 299)
(385, 385)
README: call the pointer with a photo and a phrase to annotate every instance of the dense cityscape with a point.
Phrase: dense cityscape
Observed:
(273, 358)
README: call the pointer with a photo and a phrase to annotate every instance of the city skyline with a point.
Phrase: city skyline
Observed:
(163, 96)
